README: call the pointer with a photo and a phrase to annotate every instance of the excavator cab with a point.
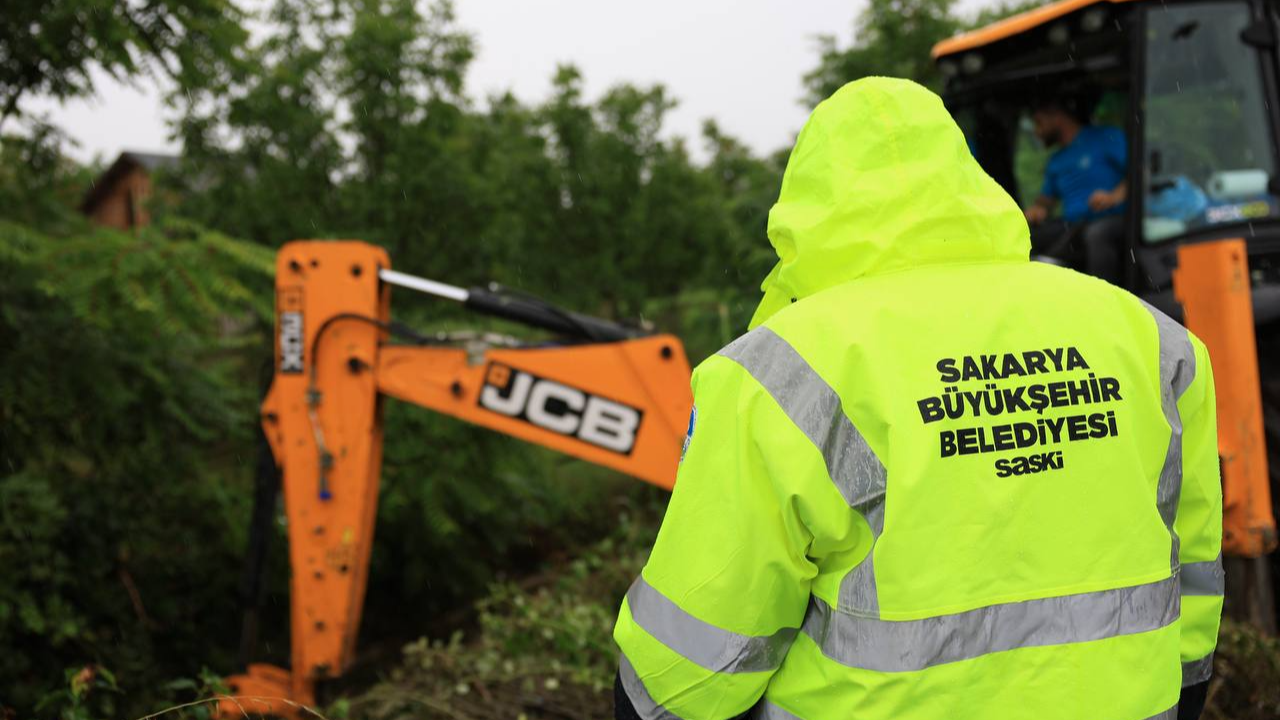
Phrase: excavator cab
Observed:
(1193, 86)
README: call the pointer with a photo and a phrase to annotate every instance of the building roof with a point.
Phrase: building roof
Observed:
(1013, 25)
(151, 161)
(127, 161)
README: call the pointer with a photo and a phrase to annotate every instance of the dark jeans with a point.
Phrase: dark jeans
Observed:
(1093, 248)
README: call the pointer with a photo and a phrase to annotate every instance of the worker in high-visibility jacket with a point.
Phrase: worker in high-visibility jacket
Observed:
(934, 480)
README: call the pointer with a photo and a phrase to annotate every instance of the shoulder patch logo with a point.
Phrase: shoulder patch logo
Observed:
(693, 420)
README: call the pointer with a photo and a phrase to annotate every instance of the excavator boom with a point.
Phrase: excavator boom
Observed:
(611, 395)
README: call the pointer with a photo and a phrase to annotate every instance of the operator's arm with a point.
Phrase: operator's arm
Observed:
(1106, 199)
(1039, 210)
(714, 611)
(1199, 528)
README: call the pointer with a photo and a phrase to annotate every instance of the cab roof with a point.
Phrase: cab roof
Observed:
(1013, 25)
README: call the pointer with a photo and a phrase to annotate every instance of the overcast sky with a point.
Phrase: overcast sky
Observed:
(737, 61)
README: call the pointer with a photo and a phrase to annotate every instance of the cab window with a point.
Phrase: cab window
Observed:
(1208, 147)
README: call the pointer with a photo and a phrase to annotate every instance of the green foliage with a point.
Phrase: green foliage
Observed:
(891, 37)
(89, 692)
(543, 647)
(896, 38)
(38, 186)
(354, 122)
(280, 176)
(459, 504)
(1246, 675)
(1030, 158)
(127, 392)
(51, 47)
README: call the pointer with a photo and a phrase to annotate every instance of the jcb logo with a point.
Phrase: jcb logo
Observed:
(560, 408)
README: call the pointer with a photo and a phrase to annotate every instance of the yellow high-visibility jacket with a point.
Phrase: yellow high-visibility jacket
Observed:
(935, 480)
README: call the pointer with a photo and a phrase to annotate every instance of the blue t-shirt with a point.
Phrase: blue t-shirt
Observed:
(1095, 160)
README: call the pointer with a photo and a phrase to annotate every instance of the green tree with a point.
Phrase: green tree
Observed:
(127, 389)
(53, 46)
(414, 181)
(39, 186)
(634, 215)
(896, 38)
(261, 157)
(890, 37)
(354, 122)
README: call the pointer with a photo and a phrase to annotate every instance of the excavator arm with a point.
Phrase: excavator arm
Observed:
(610, 395)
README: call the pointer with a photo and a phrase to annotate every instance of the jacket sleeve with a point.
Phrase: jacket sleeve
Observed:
(1198, 523)
(714, 611)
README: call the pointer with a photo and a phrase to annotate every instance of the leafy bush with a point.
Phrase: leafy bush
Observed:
(130, 372)
(543, 647)
(1246, 675)
(126, 403)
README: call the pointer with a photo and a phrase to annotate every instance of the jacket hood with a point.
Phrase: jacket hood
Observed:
(881, 179)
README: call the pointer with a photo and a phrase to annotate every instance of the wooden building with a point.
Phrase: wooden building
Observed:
(119, 197)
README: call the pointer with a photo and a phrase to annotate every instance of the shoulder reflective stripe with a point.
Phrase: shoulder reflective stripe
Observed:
(700, 642)
(1177, 370)
(1170, 714)
(639, 695)
(1203, 578)
(815, 408)
(1197, 671)
(905, 646)
(765, 710)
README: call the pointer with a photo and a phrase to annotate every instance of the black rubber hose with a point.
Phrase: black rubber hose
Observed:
(266, 488)
(546, 316)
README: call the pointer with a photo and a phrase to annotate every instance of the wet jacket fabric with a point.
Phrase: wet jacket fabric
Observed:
(934, 480)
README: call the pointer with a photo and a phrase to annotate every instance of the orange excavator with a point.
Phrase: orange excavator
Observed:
(603, 392)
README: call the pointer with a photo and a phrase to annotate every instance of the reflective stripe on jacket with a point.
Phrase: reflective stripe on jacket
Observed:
(935, 480)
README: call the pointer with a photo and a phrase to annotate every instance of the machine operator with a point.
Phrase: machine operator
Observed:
(934, 480)
(1086, 176)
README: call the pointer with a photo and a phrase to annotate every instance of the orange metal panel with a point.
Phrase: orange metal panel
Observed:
(264, 690)
(623, 405)
(1011, 26)
(1212, 283)
(330, 513)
